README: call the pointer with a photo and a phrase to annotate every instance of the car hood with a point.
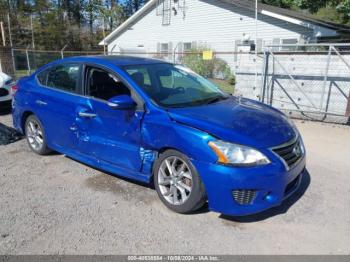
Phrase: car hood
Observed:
(238, 120)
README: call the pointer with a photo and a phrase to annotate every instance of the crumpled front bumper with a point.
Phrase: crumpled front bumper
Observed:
(271, 183)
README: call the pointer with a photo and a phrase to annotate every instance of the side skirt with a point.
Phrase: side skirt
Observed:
(93, 162)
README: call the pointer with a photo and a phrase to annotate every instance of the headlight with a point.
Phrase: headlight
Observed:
(239, 155)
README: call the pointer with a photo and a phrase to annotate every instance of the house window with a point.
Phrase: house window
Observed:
(290, 41)
(187, 47)
(164, 49)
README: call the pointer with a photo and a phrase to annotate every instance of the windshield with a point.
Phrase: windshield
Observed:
(174, 85)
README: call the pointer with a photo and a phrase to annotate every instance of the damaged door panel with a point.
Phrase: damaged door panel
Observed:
(120, 147)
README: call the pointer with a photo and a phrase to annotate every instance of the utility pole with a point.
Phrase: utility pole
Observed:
(31, 24)
(104, 37)
(9, 25)
(3, 33)
(10, 37)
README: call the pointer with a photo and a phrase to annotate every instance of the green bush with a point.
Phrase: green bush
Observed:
(231, 80)
(195, 61)
(216, 68)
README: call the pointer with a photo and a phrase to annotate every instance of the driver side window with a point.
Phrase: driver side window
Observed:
(104, 85)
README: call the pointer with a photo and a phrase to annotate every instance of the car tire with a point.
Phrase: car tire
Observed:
(35, 135)
(177, 182)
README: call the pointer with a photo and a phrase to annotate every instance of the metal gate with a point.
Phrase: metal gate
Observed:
(310, 81)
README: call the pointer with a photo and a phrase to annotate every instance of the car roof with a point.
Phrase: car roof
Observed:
(117, 60)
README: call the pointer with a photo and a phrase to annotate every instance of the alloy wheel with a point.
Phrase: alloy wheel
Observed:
(175, 180)
(35, 135)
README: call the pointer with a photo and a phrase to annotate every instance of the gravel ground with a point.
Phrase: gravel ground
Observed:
(55, 205)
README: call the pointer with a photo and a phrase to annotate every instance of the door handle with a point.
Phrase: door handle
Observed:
(39, 102)
(86, 115)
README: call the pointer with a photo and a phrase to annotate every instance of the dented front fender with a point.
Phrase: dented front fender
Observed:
(160, 132)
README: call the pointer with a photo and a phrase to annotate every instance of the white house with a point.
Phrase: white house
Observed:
(168, 26)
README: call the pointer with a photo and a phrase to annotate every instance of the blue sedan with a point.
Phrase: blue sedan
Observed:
(161, 123)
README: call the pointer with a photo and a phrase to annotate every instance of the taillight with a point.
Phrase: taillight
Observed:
(14, 89)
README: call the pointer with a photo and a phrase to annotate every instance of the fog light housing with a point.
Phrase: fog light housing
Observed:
(244, 196)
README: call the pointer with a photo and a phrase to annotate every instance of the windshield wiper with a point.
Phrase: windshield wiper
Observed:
(206, 101)
(216, 99)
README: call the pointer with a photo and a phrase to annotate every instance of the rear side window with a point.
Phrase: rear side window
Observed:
(42, 77)
(64, 77)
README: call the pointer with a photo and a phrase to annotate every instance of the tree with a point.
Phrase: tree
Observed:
(75, 23)
(132, 6)
(344, 8)
(280, 3)
(112, 13)
(333, 10)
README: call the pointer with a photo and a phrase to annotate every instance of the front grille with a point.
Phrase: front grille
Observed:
(244, 197)
(291, 152)
(3, 92)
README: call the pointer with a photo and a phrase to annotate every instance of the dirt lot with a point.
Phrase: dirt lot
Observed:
(54, 205)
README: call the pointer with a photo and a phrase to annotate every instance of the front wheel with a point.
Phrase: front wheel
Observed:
(177, 182)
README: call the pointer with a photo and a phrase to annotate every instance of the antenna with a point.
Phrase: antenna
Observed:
(181, 5)
(166, 12)
(165, 9)
(159, 10)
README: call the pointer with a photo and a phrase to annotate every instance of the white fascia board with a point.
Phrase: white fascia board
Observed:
(306, 24)
(285, 18)
(127, 22)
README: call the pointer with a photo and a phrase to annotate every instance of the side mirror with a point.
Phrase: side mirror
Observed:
(121, 102)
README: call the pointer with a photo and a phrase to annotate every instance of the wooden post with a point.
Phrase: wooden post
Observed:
(104, 37)
(348, 107)
(28, 62)
(9, 26)
(3, 33)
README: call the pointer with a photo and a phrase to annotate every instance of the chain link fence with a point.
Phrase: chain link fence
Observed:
(27, 61)
(305, 81)
(308, 81)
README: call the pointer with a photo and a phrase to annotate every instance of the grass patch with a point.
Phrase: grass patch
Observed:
(21, 73)
(223, 85)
